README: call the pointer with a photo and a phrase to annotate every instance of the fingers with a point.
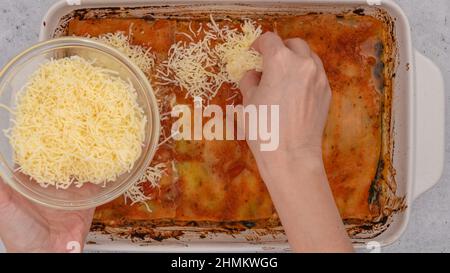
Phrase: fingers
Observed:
(319, 64)
(249, 82)
(277, 55)
(299, 47)
(5, 194)
(317, 60)
(268, 44)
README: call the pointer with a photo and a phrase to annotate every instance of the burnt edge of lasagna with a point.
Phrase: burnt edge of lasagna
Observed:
(382, 197)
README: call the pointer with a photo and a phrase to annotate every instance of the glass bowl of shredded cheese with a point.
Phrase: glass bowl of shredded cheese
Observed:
(79, 123)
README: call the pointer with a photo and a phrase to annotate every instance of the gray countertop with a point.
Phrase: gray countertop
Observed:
(429, 227)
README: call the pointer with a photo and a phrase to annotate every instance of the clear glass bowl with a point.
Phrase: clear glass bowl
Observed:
(14, 76)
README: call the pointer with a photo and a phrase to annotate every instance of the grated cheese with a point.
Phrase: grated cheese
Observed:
(200, 69)
(192, 67)
(145, 60)
(236, 54)
(140, 56)
(76, 123)
(152, 175)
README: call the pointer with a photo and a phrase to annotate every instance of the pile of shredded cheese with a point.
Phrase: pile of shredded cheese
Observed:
(152, 175)
(200, 68)
(76, 123)
(140, 56)
(236, 54)
(192, 67)
(145, 60)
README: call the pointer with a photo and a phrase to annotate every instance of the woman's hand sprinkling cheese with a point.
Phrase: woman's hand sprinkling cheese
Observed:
(294, 78)
(235, 53)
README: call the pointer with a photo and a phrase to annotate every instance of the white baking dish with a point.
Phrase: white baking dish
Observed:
(418, 120)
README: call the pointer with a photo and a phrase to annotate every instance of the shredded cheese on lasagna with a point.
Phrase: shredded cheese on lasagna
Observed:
(139, 55)
(145, 60)
(76, 123)
(200, 69)
(152, 175)
(192, 67)
(236, 54)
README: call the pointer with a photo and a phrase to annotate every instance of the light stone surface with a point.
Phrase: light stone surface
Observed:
(429, 227)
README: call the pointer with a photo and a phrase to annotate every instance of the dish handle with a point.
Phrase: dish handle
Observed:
(430, 124)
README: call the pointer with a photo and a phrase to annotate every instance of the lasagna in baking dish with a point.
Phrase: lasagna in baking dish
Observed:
(217, 182)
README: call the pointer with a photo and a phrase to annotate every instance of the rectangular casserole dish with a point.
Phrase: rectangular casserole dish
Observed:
(418, 98)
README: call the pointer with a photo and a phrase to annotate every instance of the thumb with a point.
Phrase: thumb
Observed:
(5, 194)
(248, 83)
